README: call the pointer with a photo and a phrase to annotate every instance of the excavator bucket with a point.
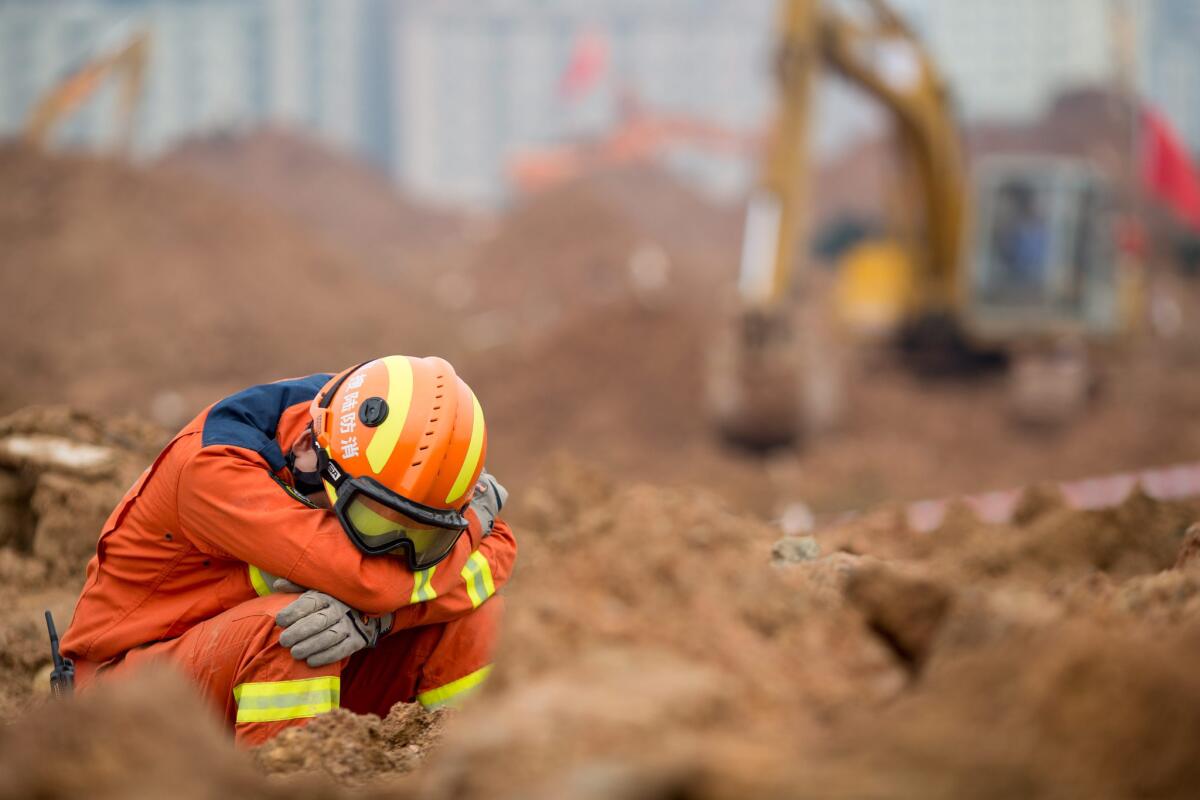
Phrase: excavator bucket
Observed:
(773, 380)
(755, 382)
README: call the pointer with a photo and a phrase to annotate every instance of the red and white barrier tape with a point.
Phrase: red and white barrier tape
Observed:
(1175, 482)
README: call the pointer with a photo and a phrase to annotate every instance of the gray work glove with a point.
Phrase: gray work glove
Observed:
(320, 629)
(488, 499)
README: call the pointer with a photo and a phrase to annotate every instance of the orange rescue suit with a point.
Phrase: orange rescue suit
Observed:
(187, 547)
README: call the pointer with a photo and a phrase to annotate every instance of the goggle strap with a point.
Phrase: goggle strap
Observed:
(330, 470)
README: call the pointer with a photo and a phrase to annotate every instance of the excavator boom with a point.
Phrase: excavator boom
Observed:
(65, 97)
(887, 61)
(764, 383)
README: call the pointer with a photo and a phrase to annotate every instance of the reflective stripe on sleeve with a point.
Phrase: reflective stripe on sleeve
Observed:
(258, 581)
(452, 694)
(477, 574)
(273, 701)
(423, 586)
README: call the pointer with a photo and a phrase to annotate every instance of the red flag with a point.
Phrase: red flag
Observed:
(1167, 169)
(589, 61)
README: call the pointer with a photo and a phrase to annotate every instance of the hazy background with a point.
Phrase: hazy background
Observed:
(439, 94)
(312, 183)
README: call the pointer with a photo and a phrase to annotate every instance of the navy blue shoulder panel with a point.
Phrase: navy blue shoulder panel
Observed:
(250, 418)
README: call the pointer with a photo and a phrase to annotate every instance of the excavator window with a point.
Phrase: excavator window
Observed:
(1043, 246)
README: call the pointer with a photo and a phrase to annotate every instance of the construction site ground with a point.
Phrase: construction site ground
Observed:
(664, 638)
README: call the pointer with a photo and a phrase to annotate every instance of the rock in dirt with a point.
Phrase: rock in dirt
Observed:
(61, 473)
(792, 549)
(56, 453)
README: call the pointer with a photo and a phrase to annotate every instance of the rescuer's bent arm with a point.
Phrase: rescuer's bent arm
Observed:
(230, 506)
(462, 590)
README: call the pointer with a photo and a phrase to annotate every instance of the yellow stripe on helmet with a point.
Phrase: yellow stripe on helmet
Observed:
(399, 399)
(474, 451)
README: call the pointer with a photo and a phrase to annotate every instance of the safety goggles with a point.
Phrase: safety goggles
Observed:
(380, 521)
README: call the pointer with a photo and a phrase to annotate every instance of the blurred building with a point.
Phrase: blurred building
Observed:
(445, 92)
(1007, 59)
(215, 65)
(476, 81)
(1171, 64)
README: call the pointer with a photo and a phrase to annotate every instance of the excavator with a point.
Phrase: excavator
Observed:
(127, 60)
(1013, 261)
(640, 137)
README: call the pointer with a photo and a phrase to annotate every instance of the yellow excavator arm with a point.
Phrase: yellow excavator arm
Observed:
(129, 61)
(885, 59)
(775, 216)
(766, 383)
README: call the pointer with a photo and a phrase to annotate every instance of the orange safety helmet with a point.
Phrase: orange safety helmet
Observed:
(400, 444)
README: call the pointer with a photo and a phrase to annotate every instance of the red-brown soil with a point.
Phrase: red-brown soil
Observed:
(653, 646)
(344, 202)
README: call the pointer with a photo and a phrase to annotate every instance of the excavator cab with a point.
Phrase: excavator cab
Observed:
(1042, 278)
(1041, 258)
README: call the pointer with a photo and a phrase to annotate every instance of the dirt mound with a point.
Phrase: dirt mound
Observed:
(621, 386)
(1067, 712)
(61, 474)
(143, 290)
(653, 649)
(667, 211)
(354, 749)
(584, 322)
(623, 238)
(146, 739)
(348, 204)
(590, 320)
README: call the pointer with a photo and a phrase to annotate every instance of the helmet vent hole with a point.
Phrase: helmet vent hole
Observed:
(423, 447)
(416, 463)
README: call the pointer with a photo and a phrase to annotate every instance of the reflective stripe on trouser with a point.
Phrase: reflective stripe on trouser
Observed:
(240, 648)
(273, 701)
(452, 694)
(415, 664)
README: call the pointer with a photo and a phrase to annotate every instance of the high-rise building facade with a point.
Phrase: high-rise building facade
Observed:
(214, 65)
(1005, 60)
(476, 82)
(1171, 64)
(446, 92)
